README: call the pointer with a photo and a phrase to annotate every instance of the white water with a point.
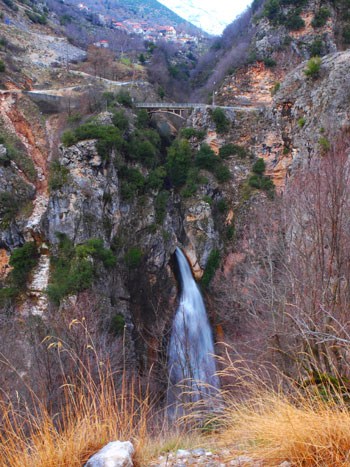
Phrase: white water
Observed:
(191, 350)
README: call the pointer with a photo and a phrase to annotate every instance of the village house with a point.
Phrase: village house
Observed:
(101, 44)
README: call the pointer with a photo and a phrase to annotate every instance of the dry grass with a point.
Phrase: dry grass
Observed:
(291, 423)
(94, 411)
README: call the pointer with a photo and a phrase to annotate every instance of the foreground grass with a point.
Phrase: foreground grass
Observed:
(296, 425)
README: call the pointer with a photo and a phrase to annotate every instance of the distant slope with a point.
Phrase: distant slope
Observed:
(141, 10)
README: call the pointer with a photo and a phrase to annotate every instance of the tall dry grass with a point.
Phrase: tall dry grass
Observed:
(307, 425)
(97, 406)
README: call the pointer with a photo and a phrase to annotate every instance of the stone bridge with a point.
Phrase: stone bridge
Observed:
(182, 108)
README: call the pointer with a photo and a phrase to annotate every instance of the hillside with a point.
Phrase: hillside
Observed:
(146, 244)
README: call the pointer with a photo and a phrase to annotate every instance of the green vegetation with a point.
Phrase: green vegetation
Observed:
(178, 162)
(222, 173)
(208, 200)
(270, 62)
(74, 267)
(59, 175)
(220, 120)
(36, 17)
(160, 208)
(190, 132)
(221, 206)
(273, 10)
(117, 324)
(22, 260)
(120, 120)
(258, 179)
(320, 18)
(346, 34)
(212, 264)
(9, 207)
(161, 92)
(324, 144)
(313, 67)
(124, 98)
(108, 137)
(316, 47)
(301, 122)
(275, 88)
(206, 158)
(231, 149)
(133, 257)
(2, 66)
(143, 119)
(11, 5)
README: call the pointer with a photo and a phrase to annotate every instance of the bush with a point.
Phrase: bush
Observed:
(191, 183)
(208, 200)
(120, 120)
(275, 88)
(160, 208)
(127, 192)
(36, 17)
(206, 158)
(117, 325)
(133, 176)
(156, 178)
(231, 149)
(2, 66)
(313, 67)
(259, 167)
(11, 5)
(212, 265)
(23, 260)
(222, 206)
(301, 122)
(178, 162)
(143, 119)
(346, 34)
(324, 143)
(59, 175)
(320, 18)
(271, 9)
(316, 47)
(68, 139)
(222, 173)
(75, 267)
(220, 120)
(133, 257)
(293, 20)
(9, 206)
(188, 133)
(270, 62)
(124, 99)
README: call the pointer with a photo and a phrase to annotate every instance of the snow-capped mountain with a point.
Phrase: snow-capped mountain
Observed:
(209, 16)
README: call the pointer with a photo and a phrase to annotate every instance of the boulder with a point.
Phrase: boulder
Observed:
(114, 454)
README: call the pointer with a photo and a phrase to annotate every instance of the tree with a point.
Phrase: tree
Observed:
(178, 162)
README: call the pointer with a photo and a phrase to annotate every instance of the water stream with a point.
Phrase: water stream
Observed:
(191, 349)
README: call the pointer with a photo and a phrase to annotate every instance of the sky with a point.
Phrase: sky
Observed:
(210, 15)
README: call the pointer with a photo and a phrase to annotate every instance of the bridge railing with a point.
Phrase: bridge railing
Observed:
(169, 105)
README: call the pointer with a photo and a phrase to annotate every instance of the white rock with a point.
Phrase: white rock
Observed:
(114, 454)
(182, 453)
(241, 461)
(286, 464)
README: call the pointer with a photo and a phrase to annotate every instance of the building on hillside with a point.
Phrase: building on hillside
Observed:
(82, 7)
(101, 44)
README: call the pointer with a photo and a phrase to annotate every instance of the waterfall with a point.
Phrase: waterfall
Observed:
(191, 346)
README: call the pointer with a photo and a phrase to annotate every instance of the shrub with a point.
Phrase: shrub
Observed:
(11, 5)
(346, 34)
(127, 192)
(313, 67)
(206, 158)
(68, 139)
(133, 176)
(270, 62)
(316, 47)
(23, 260)
(178, 162)
(2, 66)
(120, 120)
(160, 208)
(133, 257)
(231, 149)
(143, 119)
(271, 9)
(255, 181)
(75, 118)
(301, 122)
(212, 265)
(324, 143)
(293, 20)
(222, 206)
(117, 324)
(156, 178)
(124, 99)
(191, 183)
(188, 133)
(208, 200)
(222, 173)
(75, 267)
(59, 175)
(259, 167)
(9, 206)
(275, 88)
(220, 120)
(161, 92)
(320, 18)
(36, 17)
